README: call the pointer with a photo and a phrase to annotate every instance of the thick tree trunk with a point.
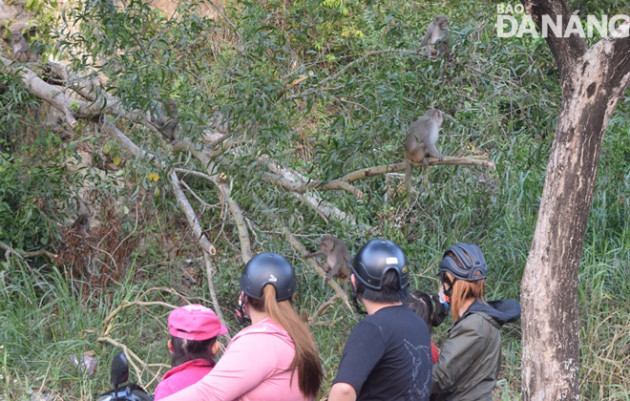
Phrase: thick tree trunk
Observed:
(592, 87)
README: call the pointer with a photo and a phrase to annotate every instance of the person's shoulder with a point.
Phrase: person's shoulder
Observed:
(266, 326)
(396, 318)
(398, 313)
(267, 331)
(479, 322)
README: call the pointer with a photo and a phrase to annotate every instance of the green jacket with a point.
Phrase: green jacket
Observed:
(471, 355)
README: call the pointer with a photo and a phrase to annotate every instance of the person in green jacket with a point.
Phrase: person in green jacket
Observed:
(471, 354)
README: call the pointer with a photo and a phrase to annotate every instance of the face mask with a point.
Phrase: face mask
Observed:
(444, 295)
(241, 317)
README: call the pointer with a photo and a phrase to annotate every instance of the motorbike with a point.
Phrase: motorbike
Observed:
(120, 376)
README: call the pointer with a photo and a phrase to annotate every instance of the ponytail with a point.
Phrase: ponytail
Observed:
(306, 359)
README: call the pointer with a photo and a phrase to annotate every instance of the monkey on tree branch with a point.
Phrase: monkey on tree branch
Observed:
(337, 258)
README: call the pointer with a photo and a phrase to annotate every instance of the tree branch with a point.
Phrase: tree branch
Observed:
(191, 216)
(71, 108)
(219, 181)
(22, 254)
(338, 183)
(131, 356)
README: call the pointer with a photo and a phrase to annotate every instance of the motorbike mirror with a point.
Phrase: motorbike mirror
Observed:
(120, 370)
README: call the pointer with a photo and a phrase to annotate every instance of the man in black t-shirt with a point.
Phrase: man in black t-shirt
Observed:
(388, 353)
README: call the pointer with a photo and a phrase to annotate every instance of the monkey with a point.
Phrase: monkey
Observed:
(437, 35)
(167, 119)
(422, 136)
(21, 49)
(337, 257)
(81, 224)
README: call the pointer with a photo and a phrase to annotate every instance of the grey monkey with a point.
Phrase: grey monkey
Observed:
(337, 258)
(21, 49)
(422, 136)
(436, 36)
(167, 119)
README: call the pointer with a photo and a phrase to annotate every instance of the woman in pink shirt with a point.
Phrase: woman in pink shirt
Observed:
(193, 345)
(273, 359)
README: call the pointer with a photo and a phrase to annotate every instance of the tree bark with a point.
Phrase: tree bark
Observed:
(593, 82)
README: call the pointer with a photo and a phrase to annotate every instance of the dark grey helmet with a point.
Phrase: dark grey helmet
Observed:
(268, 268)
(375, 259)
(471, 259)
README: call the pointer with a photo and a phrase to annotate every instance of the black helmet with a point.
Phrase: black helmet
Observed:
(375, 259)
(268, 268)
(471, 258)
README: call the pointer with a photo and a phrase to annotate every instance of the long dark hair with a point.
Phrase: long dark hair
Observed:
(187, 350)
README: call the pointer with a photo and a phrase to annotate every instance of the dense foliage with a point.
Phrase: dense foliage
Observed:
(324, 87)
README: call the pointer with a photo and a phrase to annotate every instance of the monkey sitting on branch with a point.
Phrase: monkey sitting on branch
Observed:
(337, 258)
(421, 138)
(21, 49)
(167, 119)
(436, 38)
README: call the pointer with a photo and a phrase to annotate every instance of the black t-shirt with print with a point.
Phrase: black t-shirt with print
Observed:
(388, 357)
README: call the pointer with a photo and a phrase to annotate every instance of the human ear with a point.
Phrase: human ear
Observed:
(214, 348)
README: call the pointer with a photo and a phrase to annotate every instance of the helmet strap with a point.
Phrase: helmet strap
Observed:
(447, 293)
(241, 316)
(355, 302)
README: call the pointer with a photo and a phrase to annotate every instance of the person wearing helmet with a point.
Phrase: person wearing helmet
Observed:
(273, 359)
(471, 354)
(388, 354)
(432, 312)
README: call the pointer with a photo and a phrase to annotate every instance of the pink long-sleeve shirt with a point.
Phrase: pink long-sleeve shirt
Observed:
(254, 367)
(182, 376)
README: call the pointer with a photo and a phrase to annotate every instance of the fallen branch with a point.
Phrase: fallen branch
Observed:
(391, 168)
(92, 91)
(322, 308)
(184, 205)
(193, 221)
(219, 180)
(213, 293)
(126, 304)
(332, 323)
(22, 254)
(131, 356)
(70, 107)
(292, 180)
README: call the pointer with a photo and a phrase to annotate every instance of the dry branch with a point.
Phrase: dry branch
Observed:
(193, 221)
(322, 308)
(224, 190)
(292, 180)
(70, 107)
(91, 90)
(392, 168)
(126, 304)
(131, 356)
(22, 254)
(184, 205)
